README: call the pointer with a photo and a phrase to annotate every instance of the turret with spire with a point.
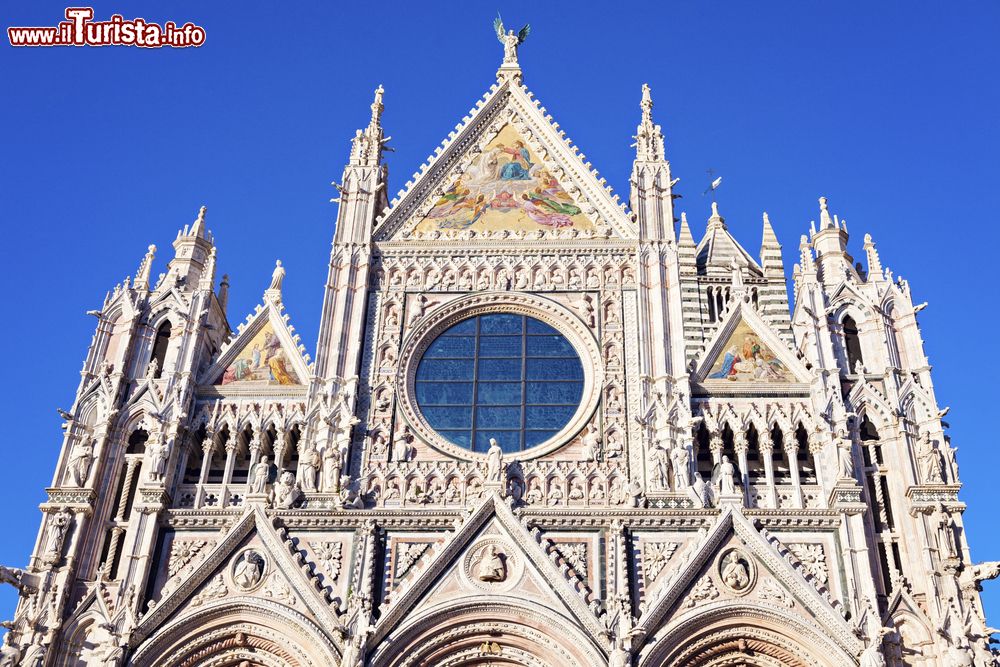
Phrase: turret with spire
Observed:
(192, 249)
(830, 244)
(651, 194)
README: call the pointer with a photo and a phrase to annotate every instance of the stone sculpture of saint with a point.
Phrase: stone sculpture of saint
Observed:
(261, 472)
(930, 460)
(157, 452)
(58, 528)
(79, 463)
(727, 477)
(510, 40)
(681, 458)
(845, 457)
(332, 464)
(309, 468)
(494, 462)
(491, 566)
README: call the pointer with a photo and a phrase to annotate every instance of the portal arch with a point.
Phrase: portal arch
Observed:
(746, 634)
(494, 630)
(234, 630)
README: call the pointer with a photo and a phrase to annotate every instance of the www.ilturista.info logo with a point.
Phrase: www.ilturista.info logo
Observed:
(80, 30)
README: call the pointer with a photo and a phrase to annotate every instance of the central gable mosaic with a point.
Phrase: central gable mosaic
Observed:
(505, 188)
(745, 358)
(262, 361)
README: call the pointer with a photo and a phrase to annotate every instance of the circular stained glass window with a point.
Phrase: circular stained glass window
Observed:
(504, 376)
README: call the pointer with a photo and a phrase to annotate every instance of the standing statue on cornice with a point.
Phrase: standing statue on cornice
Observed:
(510, 40)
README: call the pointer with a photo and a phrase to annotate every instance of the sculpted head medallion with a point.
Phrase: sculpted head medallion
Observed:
(248, 570)
(737, 571)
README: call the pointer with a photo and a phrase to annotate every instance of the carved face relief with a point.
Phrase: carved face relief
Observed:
(248, 570)
(736, 571)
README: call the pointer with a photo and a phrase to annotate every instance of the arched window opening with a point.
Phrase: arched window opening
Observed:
(720, 307)
(241, 457)
(806, 459)
(755, 463)
(892, 341)
(192, 469)
(711, 304)
(217, 466)
(703, 456)
(779, 457)
(292, 454)
(755, 298)
(160, 344)
(852, 344)
(137, 442)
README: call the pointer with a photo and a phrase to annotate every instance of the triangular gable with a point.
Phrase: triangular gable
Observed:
(746, 350)
(448, 557)
(264, 353)
(767, 558)
(506, 171)
(181, 593)
(846, 291)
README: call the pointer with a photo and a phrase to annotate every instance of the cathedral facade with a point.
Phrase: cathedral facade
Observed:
(542, 427)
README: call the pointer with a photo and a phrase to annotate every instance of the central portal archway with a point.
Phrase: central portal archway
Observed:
(495, 631)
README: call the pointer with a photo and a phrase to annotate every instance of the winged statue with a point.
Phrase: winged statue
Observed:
(510, 40)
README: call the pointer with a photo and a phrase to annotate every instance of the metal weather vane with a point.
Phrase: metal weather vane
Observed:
(510, 40)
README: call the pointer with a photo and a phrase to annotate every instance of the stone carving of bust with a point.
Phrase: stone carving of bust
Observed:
(491, 566)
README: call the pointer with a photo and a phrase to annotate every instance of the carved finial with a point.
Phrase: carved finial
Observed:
(224, 291)
(377, 108)
(142, 275)
(825, 221)
(198, 228)
(648, 136)
(367, 146)
(874, 263)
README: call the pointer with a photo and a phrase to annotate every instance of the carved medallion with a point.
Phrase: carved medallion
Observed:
(248, 570)
(736, 570)
(493, 565)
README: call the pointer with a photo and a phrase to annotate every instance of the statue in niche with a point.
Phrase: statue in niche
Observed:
(680, 457)
(491, 566)
(661, 467)
(286, 491)
(930, 460)
(402, 450)
(591, 445)
(947, 547)
(261, 474)
(332, 464)
(156, 451)
(725, 477)
(80, 461)
(494, 462)
(614, 445)
(845, 455)
(309, 465)
(58, 528)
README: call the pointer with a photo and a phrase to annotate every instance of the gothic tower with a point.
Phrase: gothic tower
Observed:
(542, 427)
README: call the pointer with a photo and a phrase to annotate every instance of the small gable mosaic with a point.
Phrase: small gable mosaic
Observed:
(505, 188)
(262, 361)
(746, 359)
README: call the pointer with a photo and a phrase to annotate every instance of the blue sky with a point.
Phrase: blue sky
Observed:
(888, 109)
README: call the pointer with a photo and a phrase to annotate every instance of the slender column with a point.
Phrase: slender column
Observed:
(792, 452)
(767, 453)
(740, 444)
(208, 452)
(227, 476)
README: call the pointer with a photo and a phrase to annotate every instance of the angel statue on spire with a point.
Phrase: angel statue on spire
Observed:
(510, 40)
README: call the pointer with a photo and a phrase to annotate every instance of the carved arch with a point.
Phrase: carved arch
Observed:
(272, 633)
(719, 633)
